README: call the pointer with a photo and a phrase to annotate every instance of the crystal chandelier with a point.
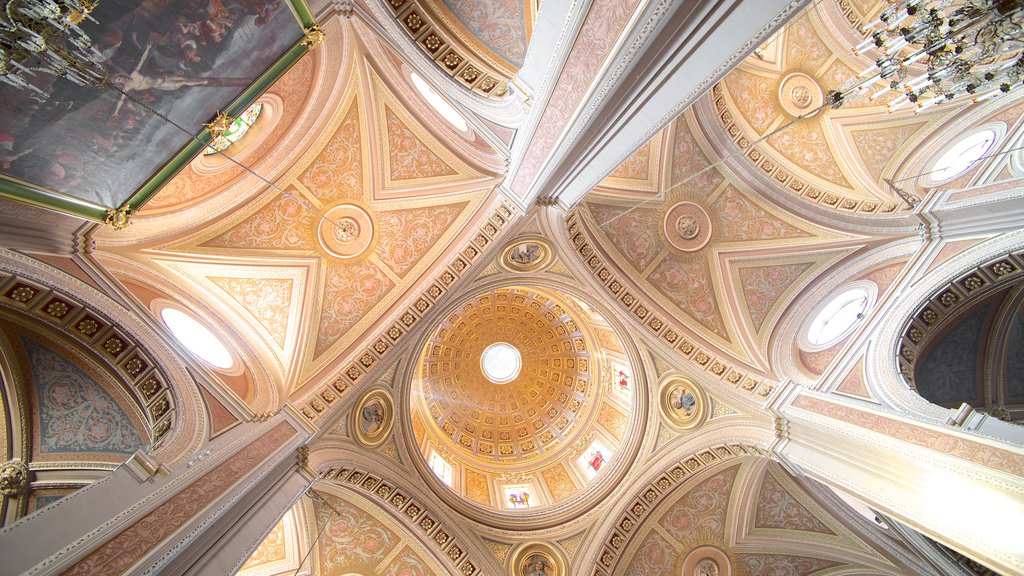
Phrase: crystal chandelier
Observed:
(41, 39)
(967, 47)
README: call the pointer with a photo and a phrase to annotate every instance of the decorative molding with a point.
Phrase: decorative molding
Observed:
(761, 159)
(450, 50)
(416, 516)
(141, 379)
(648, 496)
(317, 405)
(665, 329)
(948, 302)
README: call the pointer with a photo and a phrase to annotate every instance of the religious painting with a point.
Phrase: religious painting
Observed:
(593, 459)
(527, 255)
(682, 403)
(538, 565)
(373, 417)
(170, 66)
(537, 559)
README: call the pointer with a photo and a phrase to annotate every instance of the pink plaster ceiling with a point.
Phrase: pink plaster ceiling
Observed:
(740, 511)
(749, 259)
(358, 138)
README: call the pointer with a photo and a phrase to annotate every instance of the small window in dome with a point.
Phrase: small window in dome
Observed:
(236, 130)
(197, 338)
(621, 378)
(594, 459)
(962, 156)
(517, 496)
(446, 110)
(838, 318)
(442, 469)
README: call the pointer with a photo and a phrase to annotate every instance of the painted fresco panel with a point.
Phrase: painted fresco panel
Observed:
(186, 59)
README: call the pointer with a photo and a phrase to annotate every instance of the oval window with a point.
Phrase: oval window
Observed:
(838, 318)
(446, 110)
(197, 338)
(962, 156)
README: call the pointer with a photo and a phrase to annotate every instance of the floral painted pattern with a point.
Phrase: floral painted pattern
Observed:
(701, 512)
(754, 98)
(805, 145)
(350, 291)
(336, 174)
(410, 157)
(559, 482)
(499, 24)
(764, 285)
(737, 218)
(688, 161)
(877, 147)
(777, 508)
(407, 235)
(635, 167)
(804, 48)
(634, 232)
(779, 565)
(352, 537)
(407, 563)
(655, 557)
(266, 299)
(686, 280)
(283, 224)
(75, 413)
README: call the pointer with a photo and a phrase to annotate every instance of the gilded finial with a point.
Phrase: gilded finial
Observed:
(314, 37)
(219, 125)
(119, 219)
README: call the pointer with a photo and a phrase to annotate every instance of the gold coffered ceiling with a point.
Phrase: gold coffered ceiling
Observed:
(295, 290)
(528, 418)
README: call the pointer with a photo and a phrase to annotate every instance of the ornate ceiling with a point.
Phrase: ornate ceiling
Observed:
(266, 259)
(721, 261)
(530, 430)
(363, 265)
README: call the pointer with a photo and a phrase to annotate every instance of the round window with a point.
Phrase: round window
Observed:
(500, 362)
(446, 110)
(197, 338)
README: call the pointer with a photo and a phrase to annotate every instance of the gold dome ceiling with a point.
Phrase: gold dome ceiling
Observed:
(533, 415)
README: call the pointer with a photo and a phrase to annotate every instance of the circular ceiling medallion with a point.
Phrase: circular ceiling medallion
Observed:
(501, 362)
(346, 231)
(706, 561)
(682, 403)
(374, 417)
(537, 559)
(527, 255)
(687, 226)
(799, 94)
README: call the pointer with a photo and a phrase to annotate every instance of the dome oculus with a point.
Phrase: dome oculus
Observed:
(501, 363)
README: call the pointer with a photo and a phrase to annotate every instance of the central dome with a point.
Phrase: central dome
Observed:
(526, 341)
(514, 404)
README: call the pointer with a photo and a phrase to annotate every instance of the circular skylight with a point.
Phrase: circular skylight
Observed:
(501, 362)
(838, 318)
(442, 106)
(962, 156)
(197, 338)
